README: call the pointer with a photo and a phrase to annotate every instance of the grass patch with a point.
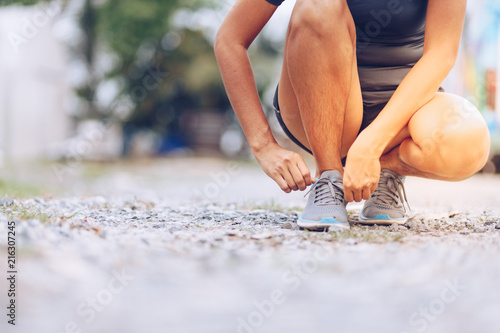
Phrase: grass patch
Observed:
(367, 235)
(273, 206)
(23, 214)
(19, 189)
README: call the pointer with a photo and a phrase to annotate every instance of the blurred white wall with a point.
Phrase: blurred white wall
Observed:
(33, 85)
(497, 102)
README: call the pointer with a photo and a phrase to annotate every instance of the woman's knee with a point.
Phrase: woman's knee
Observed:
(465, 152)
(320, 17)
(450, 138)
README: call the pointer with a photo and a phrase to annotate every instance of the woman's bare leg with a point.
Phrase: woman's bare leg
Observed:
(446, 139)
(319, 93)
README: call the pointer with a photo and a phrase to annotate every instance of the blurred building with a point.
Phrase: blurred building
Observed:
(33, 86)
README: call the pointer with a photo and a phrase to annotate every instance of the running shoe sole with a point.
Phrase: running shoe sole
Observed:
(325, 223)
(381, 220)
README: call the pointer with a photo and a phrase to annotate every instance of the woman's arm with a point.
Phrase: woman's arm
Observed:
(444, 24)
(242, 24)
(445, 19)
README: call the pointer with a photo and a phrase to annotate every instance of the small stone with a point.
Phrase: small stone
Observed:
(174, 229)
(411, 224)
(39, 200)
(394, 227)
(6, 202)
(287, 226)
(281, 216)
(90, 220)
(498, 225)
(465, 232)
(351, 241)
(257, 212)
(264, 235)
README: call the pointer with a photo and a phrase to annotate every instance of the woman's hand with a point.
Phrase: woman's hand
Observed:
(361, 172)
(285, 167)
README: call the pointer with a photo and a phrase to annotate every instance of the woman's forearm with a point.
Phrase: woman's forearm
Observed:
(418, 87)
(239, 81)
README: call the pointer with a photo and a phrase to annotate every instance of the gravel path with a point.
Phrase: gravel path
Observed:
(168, 247)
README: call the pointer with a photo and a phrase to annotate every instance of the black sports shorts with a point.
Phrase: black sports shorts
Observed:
(369, 114)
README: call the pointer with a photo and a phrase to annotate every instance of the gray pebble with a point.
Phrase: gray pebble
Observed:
(6, 202)
(351, 241)
(257, 212)
(281, 216)
(264, 235)
(39, 200)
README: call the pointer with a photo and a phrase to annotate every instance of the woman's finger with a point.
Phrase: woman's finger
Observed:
(366, 194)
(289, 180)
(281, 182)
(358, 195)
(298, 177)
(348, 196)
(304, 170)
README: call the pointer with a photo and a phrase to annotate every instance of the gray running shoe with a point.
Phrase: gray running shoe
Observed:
(326, 204)
(386, 205)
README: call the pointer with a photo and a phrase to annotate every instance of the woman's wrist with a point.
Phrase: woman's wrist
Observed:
(369, 143)
(259, 143)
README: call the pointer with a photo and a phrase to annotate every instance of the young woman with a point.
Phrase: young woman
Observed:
(360, 79)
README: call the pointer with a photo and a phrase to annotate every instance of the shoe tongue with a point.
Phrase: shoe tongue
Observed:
(332, 174)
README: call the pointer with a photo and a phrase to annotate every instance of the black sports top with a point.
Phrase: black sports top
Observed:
(390, 40)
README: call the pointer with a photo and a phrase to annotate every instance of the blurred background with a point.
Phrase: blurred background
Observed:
(101, 81)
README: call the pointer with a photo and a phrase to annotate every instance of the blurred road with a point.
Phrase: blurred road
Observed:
(207, 245)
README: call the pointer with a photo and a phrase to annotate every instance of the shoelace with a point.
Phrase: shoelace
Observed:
(328, 192)
(391, 190)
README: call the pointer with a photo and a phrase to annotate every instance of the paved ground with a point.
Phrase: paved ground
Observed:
(203, 245)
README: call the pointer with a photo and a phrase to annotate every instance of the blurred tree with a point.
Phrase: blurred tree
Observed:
(164, 72)
(21, 2)
(146, 72)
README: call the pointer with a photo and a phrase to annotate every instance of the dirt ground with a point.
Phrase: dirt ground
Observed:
(209, 245)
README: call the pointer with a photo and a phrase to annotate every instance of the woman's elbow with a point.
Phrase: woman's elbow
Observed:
(222, 44)
(218, 44)
(449, 60)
